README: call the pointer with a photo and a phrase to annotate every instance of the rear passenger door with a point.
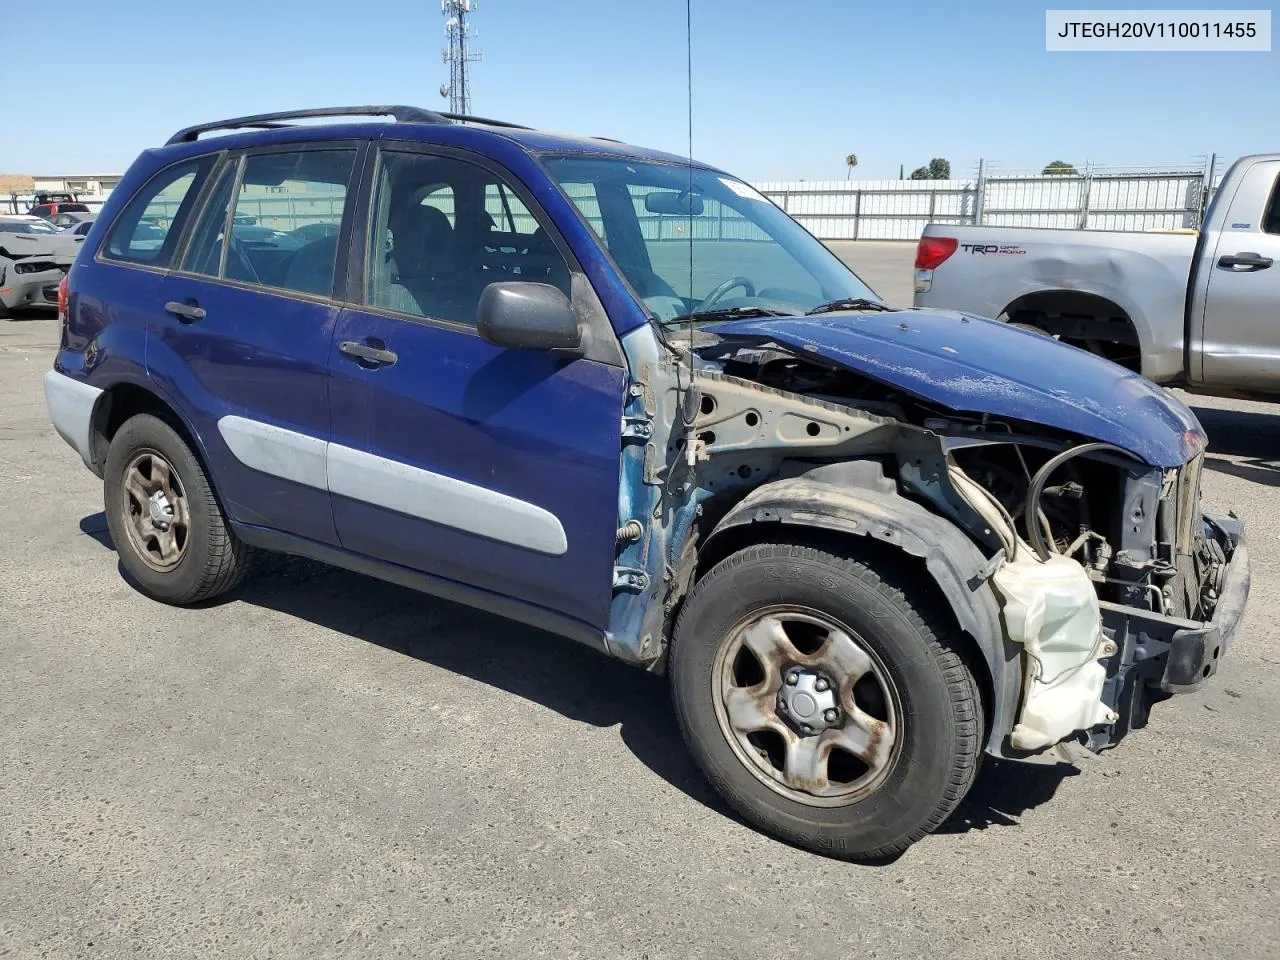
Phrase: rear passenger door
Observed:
(484, 466)
(126, 278)
(244, 337)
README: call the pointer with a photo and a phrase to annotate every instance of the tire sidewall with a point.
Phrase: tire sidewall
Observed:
(146, 432)
(924, 760)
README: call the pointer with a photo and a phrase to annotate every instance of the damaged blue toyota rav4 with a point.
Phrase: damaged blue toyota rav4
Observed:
(623, 397)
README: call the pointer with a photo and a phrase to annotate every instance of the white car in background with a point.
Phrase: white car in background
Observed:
(34, 257)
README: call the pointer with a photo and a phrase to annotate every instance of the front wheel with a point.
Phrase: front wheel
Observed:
(825, 702)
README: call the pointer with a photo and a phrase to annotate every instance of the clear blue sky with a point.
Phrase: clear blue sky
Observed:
(781, 90)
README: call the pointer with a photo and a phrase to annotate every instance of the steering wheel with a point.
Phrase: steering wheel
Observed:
(716, 295)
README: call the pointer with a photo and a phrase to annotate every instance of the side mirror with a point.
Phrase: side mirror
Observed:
(528, 316)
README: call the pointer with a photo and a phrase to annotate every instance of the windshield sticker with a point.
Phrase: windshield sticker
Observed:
(741, 189)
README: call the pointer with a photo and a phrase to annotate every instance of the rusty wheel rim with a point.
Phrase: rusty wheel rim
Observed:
(837, 760)
(155, 510)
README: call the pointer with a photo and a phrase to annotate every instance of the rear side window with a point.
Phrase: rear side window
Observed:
(288, 213)
(204, 253)
(148, 229)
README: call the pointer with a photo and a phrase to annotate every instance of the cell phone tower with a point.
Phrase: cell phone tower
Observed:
(458, 53)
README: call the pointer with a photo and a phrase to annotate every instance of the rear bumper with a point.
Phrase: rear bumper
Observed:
(71, 404)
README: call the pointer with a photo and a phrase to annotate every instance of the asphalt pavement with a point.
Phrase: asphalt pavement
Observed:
(324, 765)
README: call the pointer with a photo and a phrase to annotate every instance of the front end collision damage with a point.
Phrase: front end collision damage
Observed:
(712, 461)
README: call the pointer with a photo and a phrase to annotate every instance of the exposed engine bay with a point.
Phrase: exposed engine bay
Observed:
(1097, 573)
(1064, 496)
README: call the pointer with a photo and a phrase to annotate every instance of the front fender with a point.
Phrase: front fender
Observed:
(953, 561)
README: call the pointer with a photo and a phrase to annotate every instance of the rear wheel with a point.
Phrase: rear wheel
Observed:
(828, 704)
(172, 538)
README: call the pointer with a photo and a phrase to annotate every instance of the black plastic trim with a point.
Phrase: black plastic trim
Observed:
(401, 114)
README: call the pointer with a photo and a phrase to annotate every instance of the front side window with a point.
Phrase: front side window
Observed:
(444, 229)
(1271, 218)
(148, 228)
(693, 241)
(285, 224)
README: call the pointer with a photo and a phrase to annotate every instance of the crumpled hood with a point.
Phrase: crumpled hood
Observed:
(974, 365)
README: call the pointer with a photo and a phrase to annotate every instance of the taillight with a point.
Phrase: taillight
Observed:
(932, 251)
(63, 297)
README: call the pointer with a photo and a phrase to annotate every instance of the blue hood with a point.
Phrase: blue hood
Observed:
(975, 365)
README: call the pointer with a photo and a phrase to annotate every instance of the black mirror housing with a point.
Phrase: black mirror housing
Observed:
(522, 315)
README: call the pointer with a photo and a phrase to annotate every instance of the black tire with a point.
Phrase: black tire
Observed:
(939, 745)
(213, 559)
(5, 313)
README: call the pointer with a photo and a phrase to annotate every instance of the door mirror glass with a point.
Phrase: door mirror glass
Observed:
(528, 316)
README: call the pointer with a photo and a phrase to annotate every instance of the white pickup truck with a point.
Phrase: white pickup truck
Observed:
(1199, 311)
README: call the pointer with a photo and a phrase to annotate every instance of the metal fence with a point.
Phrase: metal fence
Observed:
(1092, 200)
(1096, 199)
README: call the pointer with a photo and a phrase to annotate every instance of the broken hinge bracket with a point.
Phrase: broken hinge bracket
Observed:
(630, 578)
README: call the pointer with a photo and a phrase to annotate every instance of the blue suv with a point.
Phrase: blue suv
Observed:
(623, 397)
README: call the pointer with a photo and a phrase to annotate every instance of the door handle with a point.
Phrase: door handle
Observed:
(186, 312)
(368, 353)
(1251, 260)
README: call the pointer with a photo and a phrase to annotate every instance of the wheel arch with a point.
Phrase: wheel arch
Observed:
(1078, 317)
(127, 399)
(887, 528)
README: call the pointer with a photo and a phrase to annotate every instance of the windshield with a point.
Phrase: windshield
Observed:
(747, 255)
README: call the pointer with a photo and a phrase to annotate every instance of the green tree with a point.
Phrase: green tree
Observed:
(1060, 168)
(938, 169)
(850, 161)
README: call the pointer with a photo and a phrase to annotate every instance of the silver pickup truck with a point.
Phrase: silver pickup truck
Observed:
(1199, 311)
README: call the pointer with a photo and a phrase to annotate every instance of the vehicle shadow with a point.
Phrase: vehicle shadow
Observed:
(1241, 433)
(1266, 472)
(1004, 791)
(555, 672)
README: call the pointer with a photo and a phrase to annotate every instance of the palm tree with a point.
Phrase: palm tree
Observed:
(850, 161)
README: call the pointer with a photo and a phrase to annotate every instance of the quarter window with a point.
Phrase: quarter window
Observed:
(443, 230)
(147, 231)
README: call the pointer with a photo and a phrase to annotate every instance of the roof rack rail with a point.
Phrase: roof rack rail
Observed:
(467, 118)
(269, 121)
